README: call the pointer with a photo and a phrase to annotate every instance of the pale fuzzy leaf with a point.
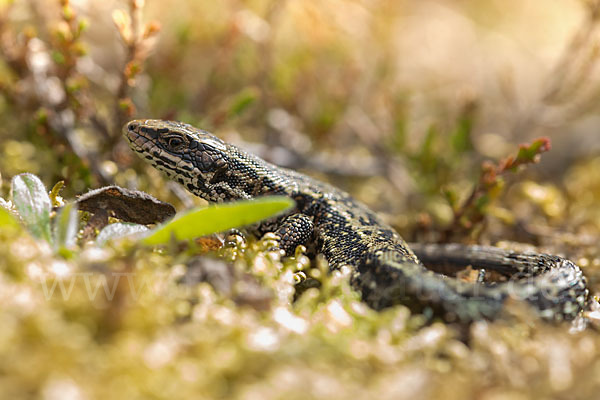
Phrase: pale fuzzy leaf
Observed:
(118, 230)
(33, 204)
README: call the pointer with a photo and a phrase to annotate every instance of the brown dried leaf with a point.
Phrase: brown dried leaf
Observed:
(126, 205)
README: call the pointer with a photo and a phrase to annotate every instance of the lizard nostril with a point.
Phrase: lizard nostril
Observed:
(132, 126)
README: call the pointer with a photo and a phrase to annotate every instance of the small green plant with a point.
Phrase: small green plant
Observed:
(218, 218)
(34, 207)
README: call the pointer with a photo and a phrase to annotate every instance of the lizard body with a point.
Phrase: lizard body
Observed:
(384, 269)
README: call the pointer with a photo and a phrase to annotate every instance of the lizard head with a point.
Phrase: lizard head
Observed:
(198, 160)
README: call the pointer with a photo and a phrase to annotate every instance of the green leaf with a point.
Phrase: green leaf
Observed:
(427, 156)
(33, 204)
(218, 218)
(451, 196)
(118, 230)
(243, 100)
(58, 57)
(7, 219)
(65, 227)
(400, 134)
(482, 202)
(461, 137)
(529, 152)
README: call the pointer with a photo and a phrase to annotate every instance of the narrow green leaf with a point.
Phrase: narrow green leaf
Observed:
(400, 134)
(451, 196)
(427, 156)
(118, 230)
(65, 227)
(482, 202)
(33, 204)
(218, 218)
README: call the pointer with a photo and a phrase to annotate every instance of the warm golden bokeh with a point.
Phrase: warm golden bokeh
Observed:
(396, 101)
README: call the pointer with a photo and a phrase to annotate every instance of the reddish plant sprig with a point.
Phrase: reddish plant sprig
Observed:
(138, 40)
(473, 210)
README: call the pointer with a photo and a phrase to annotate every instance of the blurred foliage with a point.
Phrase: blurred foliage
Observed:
(410, 106)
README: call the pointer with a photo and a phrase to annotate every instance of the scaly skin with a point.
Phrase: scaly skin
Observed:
(384, 269)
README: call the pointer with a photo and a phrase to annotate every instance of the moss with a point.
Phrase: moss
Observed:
(398, 102)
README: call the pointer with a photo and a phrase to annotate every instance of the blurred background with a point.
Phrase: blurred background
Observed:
(405, 104)
(396, 101)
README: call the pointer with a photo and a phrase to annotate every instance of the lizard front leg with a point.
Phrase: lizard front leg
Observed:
(294, 230)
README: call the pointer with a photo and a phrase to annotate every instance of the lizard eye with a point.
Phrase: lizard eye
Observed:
(175, 142)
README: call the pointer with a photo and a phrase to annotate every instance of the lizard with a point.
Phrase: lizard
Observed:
(384, 269)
